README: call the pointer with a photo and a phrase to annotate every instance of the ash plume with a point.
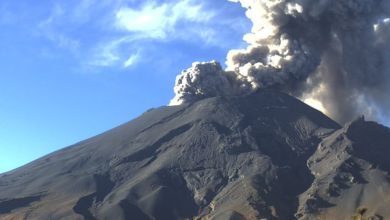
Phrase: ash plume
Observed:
(332, 51)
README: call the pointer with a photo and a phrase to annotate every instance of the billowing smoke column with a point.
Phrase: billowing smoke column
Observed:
(334, 51)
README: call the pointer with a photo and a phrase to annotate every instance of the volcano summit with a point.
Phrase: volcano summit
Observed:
(266, 155)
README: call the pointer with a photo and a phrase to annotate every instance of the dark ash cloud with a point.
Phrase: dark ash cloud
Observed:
(336, 52)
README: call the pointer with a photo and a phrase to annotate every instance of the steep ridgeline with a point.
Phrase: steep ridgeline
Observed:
(351, 169)
(262, 156)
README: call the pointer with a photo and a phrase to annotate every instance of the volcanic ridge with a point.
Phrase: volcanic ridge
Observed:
(265, 155)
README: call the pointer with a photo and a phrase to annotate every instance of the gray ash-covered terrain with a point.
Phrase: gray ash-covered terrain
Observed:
(263, 156)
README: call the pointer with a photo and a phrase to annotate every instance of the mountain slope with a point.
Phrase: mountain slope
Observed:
(218, 158)
(352, 173)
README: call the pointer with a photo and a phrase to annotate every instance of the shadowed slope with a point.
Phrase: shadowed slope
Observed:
(218, 158)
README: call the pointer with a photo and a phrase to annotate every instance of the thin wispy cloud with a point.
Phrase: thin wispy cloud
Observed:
(114, 52)
(106, 54)
(154, 22)
(48, 28)
(121, 27)
(160, 21)
(132, 60)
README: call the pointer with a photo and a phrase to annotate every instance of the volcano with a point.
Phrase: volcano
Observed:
(265, 155)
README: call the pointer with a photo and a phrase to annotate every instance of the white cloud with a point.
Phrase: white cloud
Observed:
(114, 30)
(158, 21)
(49, 30)
(150, 21)
(132, 60)
(106, 54)
(113, 54)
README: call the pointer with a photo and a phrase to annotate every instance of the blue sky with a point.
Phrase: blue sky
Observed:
(70, 69)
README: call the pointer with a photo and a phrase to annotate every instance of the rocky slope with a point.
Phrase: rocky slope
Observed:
(262, 156)
(351, 169)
